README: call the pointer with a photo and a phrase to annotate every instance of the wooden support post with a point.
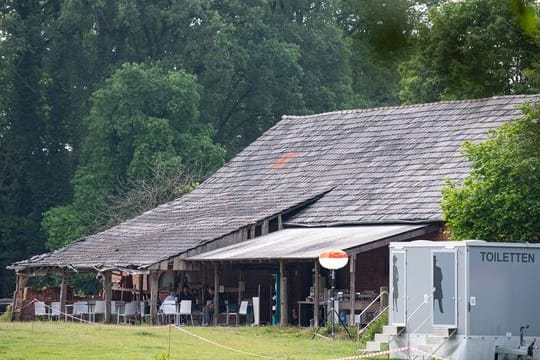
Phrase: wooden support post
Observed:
(63, 292)
(280, 222)
(154, 293)
(203, 283)
(240, 287)
(284, 306)
(178, 288)
(352, 290)
(140, 286)
(316, 294)
(107, 295)
(216, 293)
(16, 307)
(264, 227)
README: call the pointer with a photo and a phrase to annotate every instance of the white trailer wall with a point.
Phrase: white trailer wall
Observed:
(482, 292)
(421, 310)
(504, 286)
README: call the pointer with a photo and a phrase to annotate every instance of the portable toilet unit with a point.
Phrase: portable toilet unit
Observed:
(464, 300)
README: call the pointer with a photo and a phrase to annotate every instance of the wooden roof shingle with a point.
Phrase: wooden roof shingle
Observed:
(382, 165)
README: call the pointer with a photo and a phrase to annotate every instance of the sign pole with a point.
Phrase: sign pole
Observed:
(332, 303)
(333, 260)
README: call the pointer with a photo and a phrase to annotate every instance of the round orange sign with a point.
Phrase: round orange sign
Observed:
(333, 259)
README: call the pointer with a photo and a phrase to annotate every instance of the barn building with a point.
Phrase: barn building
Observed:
(353, 180)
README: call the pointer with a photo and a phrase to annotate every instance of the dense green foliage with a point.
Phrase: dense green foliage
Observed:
(499, 200)
(142, 120)
(109, 108)
(368, 333)
(472, 49)
(35, 166)
(380, 34)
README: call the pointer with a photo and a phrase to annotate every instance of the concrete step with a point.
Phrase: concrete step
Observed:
(383, 338)
(392, 330)
(443, 331)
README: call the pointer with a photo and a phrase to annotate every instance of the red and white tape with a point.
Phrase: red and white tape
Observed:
(375, 354)
(431, 356)
(388, 352)
(63, 314)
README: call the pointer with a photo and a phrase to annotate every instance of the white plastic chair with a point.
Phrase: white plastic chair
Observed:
(55, 310)
(130, 310)
(185, 309)
(142, 311)
(242, 311)
(114, 307)
(99, 309)
(168, 309)
(80, 308)
(40, 310)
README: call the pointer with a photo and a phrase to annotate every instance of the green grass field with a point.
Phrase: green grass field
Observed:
(59, 340)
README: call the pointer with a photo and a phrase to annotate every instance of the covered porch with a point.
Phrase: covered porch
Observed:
(282, 270)
(277, 273)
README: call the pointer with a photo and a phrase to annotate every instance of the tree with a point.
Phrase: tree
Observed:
(34, 163)
(143, 119)
(379, 34)
(472, 49)
(246, 63)
(269, 59)
(254, 60)
(140, 195)
(499, 200)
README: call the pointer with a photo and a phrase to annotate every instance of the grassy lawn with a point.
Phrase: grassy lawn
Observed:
(59, 340)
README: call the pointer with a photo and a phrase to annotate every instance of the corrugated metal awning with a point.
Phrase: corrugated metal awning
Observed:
(307, 243)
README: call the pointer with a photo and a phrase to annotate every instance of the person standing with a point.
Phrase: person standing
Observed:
(209, 309)
(186, 294)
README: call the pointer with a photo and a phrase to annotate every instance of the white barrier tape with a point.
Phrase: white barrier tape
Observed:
(220, 345)
(431, 356)
(30, 303)
(66, 315)
(77, 318)
(363, 356)
(388, 352)
(374, 354)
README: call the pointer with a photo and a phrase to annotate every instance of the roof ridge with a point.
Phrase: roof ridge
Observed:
(409, 106)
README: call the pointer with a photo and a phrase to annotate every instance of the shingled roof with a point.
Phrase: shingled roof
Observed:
(382, 165)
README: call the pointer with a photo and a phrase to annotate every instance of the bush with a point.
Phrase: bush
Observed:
(6, 316)
(375, 328)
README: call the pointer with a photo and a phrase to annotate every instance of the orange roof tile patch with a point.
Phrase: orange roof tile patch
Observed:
(284, 160)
